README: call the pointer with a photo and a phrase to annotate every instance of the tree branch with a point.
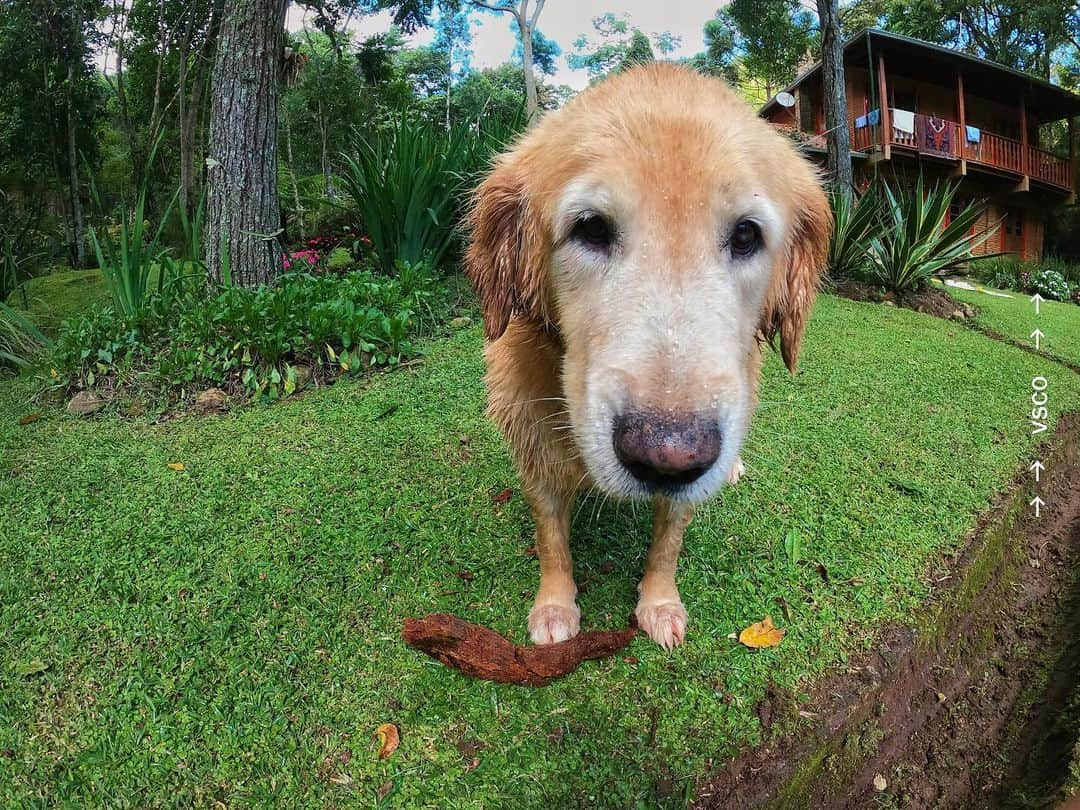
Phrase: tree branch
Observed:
(494, 7)
(536, 14)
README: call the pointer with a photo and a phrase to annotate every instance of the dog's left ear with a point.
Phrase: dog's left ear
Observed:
(787, 306)
(506, 258)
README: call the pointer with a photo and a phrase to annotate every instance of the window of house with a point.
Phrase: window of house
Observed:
(904, 98)
(955, 207)
(1014, 222)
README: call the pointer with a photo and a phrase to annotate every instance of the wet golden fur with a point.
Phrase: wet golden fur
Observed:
(674, 153)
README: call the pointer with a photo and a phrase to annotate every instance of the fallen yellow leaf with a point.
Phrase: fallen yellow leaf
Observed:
(388, 739)
(761, 634)
(176, 465)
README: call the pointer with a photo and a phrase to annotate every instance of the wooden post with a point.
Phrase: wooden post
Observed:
(1074, 170)
(1023, 139)
(883, 106)
(962, 114)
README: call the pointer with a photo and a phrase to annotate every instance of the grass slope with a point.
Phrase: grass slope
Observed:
(51, 299)
(1015, 317)
(231, 632)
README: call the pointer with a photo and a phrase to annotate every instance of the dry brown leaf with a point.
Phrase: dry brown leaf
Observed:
(823, 572)
(761, 634)
(384, 790)
(503, 497)
(30, 418)
(388, 739)
(176, 465)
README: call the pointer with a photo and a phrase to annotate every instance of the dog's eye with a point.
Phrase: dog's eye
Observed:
(594, 232)
(746, 238)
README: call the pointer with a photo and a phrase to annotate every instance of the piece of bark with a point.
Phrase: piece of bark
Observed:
(483, 653)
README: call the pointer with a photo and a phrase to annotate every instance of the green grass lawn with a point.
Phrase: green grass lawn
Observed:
(53, 298)
(230, 632)
(1015, 317)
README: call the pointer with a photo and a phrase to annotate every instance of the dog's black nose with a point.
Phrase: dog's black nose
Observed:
(666, 450)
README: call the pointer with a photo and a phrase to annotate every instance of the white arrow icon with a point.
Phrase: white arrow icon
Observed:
(1036, 502)
(1037, 467)
(1037, 335)
(1038, 299)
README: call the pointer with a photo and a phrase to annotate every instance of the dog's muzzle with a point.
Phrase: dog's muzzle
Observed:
(664, 450)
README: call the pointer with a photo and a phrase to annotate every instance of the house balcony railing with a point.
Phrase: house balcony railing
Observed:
(938, 137)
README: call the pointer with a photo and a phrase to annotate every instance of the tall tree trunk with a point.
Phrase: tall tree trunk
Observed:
(77, 226)
(526, 27)
(243, 213)
(836, 123)
(526, 23)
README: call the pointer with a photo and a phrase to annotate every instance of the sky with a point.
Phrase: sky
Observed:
(562, 21)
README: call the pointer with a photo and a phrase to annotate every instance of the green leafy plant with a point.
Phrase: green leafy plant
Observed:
(408, 182)
(404, 184)
(915, 244)
(251, 342)
(13, 264)
(130, 265)
(340, 259)
(1049, 277)
(857, 223)
(21, 342)
(1049, 284)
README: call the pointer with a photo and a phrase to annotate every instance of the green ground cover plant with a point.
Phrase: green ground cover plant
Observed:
(1015, 318)
(229, 632)
(249, 341)
(1050, 277)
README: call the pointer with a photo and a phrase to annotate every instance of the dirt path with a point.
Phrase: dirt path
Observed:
(973, 708)
(990, 333)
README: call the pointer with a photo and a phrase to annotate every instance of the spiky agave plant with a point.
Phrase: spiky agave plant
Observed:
(129, 266)
(857, 221)
(915, 243)
(21, 342)
(405, 184)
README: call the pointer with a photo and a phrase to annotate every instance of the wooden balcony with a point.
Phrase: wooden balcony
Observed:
(937, 137)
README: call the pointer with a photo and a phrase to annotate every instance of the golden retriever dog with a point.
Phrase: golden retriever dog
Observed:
(632, 252)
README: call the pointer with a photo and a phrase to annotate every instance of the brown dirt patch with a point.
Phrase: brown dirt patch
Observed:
(953, 713)
(995, 335)
(929, 300)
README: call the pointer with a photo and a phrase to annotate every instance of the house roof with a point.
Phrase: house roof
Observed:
(916, 59)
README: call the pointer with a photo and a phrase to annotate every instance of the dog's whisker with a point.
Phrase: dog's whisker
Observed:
(525, 402)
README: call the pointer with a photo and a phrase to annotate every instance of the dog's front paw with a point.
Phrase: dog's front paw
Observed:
(665, 622)
(552, 623)
(738, 470)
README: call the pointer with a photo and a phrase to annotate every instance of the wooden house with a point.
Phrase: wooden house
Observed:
(915, 107)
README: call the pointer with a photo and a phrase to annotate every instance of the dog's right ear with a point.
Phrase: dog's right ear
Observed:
(507, 257)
